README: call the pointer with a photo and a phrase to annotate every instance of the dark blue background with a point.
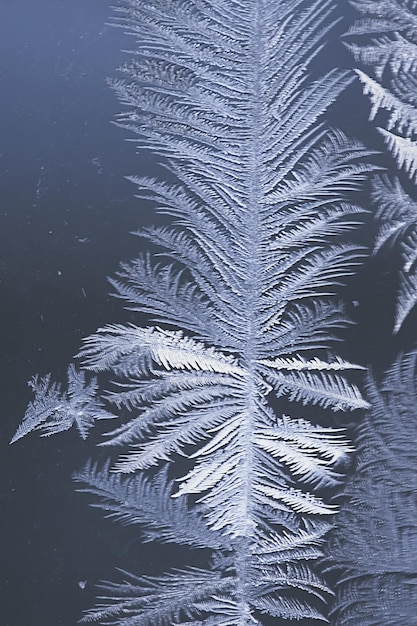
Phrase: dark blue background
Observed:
(65, 216)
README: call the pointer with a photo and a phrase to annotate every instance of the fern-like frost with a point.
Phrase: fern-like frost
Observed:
(374, 545)
(384, 44)
(55, 410)
(242, 308)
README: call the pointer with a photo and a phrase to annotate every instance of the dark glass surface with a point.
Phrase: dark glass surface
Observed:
(65, 216)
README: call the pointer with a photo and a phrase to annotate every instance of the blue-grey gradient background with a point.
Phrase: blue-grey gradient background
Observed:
(65, 216)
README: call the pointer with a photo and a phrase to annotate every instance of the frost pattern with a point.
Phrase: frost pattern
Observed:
(242, 312)
(384, 42)
(374, 546)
